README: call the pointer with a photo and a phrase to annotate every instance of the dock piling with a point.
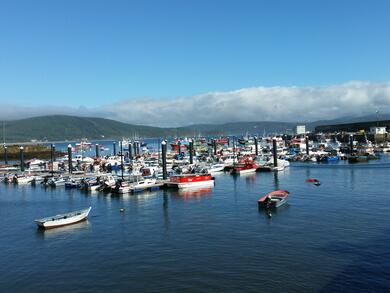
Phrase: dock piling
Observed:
(130, 151)
(191, 145)
(275, 152)
(256, 147)
(122, 167)
(70, 165)
(351, 144)
(164, 158)
(307, 144)
(179, 147)
(135, 148)
(51, 159)
(97, 150)
(21, 158)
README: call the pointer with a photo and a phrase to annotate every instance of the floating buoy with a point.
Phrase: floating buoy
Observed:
(122, 210)
(269, 215)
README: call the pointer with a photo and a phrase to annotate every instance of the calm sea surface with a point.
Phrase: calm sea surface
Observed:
(331, 238)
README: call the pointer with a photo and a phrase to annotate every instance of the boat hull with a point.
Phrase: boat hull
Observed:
(64, 221)
(245, 171)
(198, 184)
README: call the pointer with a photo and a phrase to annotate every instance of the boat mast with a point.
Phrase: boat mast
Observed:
(4, 133)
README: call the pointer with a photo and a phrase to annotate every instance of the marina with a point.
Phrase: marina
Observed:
(194, 146)
(191, 218)
(172, 238)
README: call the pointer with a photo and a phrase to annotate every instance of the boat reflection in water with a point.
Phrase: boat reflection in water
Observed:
(192, 193)
(64, 230)
(250, 178)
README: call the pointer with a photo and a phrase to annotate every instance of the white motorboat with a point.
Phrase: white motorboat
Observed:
(216, 168)
(142, 185)
(122, 187)
(63, 219)
(23, 179)
(57, 182)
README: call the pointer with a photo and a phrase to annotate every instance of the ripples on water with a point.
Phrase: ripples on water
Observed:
(330, 238)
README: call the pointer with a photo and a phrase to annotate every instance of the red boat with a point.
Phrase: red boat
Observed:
(313, 180)
(222, 141)
(183, 146)
(191, 180)
(244, 168)
(273, 199)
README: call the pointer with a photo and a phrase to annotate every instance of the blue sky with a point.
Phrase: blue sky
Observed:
(93, 53)
(89, 52)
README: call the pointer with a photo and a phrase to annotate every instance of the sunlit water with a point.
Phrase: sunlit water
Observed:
(335, 237)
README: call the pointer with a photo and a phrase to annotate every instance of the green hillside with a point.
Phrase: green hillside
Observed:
(60, 127)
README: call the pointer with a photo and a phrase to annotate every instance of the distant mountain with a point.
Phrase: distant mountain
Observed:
(62, 127)
(239, 128)
(349, 119)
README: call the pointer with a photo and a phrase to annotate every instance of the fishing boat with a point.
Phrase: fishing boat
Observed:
(142, 185)
(63, 219)
(244, 168)
(216, 168)
(191, 180)
(73, 183)
(23, 179)
(273, 199)
(121, 187)
(57, 182)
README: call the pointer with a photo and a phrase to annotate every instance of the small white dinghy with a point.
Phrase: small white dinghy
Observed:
(63, 219)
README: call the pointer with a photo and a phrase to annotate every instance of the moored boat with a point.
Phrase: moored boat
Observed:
(244, 168)
(63, 219)
(142, 185)
(216, 168)
(273, 199)
(191, 180)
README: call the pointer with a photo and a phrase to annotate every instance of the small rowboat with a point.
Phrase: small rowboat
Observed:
(63, 219)
(273, 199)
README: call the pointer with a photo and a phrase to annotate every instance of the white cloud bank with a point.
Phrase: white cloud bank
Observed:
(293, 104)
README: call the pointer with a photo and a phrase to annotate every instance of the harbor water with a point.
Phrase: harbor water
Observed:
(329, 238)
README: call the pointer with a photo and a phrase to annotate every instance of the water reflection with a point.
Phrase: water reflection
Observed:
(250, 178)
(166, 211)
(269, 213)
(276, 180)
(191, 193)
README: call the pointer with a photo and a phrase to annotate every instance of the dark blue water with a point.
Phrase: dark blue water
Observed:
(331, 238)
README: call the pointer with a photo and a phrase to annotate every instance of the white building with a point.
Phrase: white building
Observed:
(300, 129)
(378, 130)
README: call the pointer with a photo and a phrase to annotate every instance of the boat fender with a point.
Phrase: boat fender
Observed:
(269, 215)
